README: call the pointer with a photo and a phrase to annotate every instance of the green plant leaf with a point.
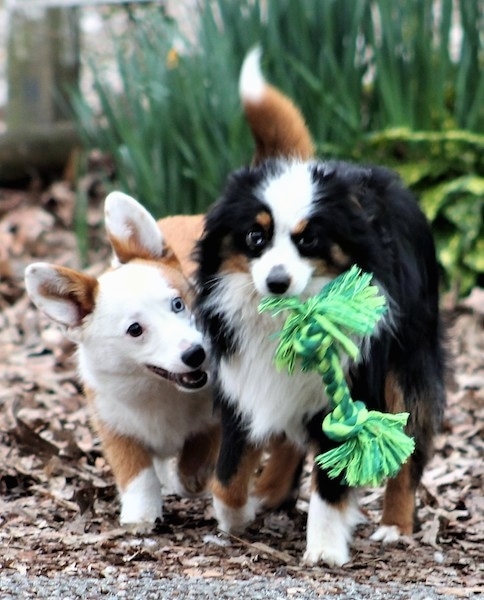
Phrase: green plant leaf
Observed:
(474, 259)
(377, 81)
(414, 172)
(465, 212)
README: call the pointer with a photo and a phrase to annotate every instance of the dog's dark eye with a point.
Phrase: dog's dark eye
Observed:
(177, 305)
(134, 330)
(307, 241)
(255, 238)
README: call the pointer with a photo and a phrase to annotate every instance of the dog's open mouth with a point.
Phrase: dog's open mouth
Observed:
(193, 380)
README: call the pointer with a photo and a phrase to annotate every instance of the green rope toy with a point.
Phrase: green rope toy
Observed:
(373, 445)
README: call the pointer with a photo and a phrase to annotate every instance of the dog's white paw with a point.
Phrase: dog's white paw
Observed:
(138, 528)
(141, 501)
(329, 531)
(234, 520)
(386, 534)
(328, 554)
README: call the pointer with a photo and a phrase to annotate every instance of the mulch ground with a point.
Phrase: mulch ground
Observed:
(58, 505)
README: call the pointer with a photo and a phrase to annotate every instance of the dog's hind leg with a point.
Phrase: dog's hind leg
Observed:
(135, 475)
(278, 484)
(399, 509)
(399, 498)
(197, 460)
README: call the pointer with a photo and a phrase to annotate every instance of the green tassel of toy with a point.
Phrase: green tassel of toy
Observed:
(373, 444)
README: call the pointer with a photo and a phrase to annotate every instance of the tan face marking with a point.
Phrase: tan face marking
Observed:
(180, 233)
(237, 263)
(264, 219)
(323, 269)
(232, 261)
(300, 227)
(320, 267)
(178, 282)
(339, 258)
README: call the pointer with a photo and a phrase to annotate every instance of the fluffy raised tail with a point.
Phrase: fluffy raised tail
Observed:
(277, 125)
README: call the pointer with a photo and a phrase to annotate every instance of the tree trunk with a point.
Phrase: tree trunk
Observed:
(43, 66)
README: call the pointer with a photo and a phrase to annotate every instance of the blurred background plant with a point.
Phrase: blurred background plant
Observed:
(399, 83)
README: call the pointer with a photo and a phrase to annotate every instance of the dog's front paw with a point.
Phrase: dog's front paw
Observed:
(141, 502)
(327, 553)
(329, 530)
(386, 534)
(234, 520)
(140, 528)
(137, 513)
(195, 484)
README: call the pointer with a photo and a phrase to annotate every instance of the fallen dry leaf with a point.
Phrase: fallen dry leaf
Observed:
(58, 505)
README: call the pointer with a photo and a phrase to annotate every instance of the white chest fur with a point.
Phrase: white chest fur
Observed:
(271, 401)
(141, 405)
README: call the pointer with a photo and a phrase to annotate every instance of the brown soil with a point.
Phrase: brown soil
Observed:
(58, 505)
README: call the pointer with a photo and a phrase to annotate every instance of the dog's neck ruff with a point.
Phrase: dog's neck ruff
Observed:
(271, 401)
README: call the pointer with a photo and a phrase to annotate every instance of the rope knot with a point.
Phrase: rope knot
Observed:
(309, 339)
(373, 445)
(340, 426)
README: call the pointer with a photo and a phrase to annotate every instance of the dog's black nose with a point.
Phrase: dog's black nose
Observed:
(278, 280)
(194, 356)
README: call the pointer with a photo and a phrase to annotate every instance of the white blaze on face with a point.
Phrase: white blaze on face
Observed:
(289, 196)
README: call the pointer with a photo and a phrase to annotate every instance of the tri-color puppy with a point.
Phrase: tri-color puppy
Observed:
(140, 357)
(286, 226)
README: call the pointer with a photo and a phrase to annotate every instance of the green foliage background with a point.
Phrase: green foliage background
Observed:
(377, 80)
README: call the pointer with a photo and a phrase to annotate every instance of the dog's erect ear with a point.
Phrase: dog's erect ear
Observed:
(277, 125)
(132, 231)
(64, 295)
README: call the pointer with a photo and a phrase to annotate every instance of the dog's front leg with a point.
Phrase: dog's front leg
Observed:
(234, 507)
(333, 510)
(333, 513)
(135, 475)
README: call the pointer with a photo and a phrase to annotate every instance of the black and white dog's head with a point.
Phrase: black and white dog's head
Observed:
(290, 226)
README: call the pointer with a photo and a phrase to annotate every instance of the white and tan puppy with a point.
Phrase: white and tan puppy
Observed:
(140, 357)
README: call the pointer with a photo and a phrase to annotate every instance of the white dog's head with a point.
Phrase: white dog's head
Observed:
(135, 318)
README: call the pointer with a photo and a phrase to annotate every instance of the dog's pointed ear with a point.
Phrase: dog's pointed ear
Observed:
(132, 231)
(64, 295)
(278, 126)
